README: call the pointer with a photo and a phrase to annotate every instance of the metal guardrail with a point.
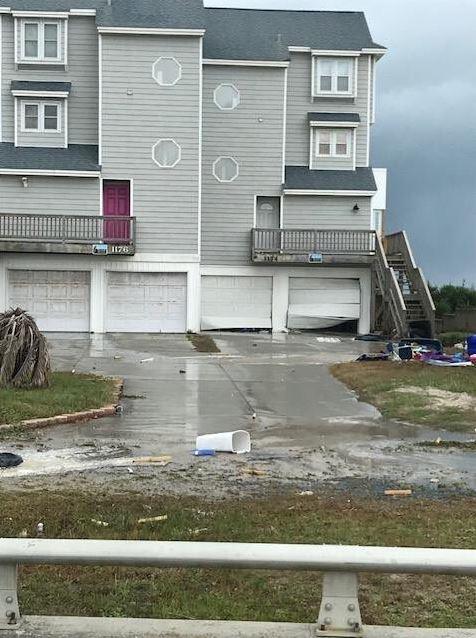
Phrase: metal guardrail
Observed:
(67, 229)
(339, 612)
(295, 241)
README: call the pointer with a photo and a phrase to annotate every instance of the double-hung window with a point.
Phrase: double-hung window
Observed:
(41, 117)
(41, 41)
(332, 143)
(334, 76)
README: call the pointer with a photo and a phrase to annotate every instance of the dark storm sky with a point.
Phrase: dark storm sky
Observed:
(426, 122)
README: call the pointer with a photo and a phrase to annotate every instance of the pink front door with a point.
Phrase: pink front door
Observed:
(117, 204)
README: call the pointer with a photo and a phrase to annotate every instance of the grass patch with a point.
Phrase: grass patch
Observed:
(67, 393)
(242, 595)
(393, 389)
(203, 343)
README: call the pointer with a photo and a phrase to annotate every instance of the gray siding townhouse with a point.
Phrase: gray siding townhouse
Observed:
(168, 167)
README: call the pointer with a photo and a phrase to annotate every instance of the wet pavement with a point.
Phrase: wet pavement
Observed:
(305, 425)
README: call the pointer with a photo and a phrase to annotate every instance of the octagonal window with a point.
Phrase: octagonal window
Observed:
(167, 71)
(166, 153)
(227, 97)
(225, 169)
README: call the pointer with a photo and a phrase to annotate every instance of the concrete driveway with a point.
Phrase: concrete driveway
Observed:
(304, 424)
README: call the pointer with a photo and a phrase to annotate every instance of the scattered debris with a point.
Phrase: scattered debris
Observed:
(306, 493)
(182, 372)
(40, 529)
(7, 459)
(148, 360)
(117, 357)
(328, 340)
(252, 471)
(153, 460)
(119, 409)
(196, 532)
(23, 534)
(99, 523)
(237, 442)
(398, 492)
(130, 470)
(153, 519)
(204, 453)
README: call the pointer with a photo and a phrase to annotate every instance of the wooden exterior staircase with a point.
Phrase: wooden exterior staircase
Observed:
(403, 305)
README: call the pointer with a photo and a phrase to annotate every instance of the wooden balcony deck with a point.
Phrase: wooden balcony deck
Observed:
(84, 234)
(312, 246)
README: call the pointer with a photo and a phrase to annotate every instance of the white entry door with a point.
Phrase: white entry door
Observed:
(146, 302)
(236, 302)
(318, 302)
(58, 300)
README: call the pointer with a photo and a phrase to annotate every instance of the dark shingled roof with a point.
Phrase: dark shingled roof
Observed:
(334, 117)
(266, 34)
(77, 157)
(302, 178)
(26, 85)
(235, 34)
(163, 14)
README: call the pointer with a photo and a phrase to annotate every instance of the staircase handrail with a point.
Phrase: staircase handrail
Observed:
(390, 289)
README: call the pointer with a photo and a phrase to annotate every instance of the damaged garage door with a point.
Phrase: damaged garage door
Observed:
(236, 302)
(317, 302)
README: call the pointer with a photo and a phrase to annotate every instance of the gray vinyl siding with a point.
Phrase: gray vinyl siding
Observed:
(82, 71)
(50, 195)
(253, 135)
(46, 138)
(137, 113)
(301, 102)
(325, 212)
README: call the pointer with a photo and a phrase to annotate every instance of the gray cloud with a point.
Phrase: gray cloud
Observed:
(426, 128)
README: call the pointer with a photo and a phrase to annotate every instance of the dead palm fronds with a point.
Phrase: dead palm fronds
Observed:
(24, 358)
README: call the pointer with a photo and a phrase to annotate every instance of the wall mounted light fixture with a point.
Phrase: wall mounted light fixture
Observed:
(24, 181)
(356, 208)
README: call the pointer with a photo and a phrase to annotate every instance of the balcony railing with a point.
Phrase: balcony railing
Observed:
(310, 243)
(66, 230)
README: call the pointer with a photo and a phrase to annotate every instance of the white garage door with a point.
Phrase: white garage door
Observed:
(322, 303)
(58, 300)
(236, 302)
(146, 302)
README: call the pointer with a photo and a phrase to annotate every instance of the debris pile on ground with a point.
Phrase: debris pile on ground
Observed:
(429, 351)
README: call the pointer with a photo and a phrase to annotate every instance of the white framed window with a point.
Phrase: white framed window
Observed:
(41, 40)
(166, 71)
(226, 97)
(166, 153)
(335, 143)
(41, 117)
(226, 169)
(334, 76)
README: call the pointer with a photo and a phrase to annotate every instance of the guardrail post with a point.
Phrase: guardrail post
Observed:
(9, 609)
(339, 615)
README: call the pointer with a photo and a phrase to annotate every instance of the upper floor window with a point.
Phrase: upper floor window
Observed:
(226, 97)
(166, 71)
(334, 76)
(332, 143)
(41, 117)
(41, 41)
